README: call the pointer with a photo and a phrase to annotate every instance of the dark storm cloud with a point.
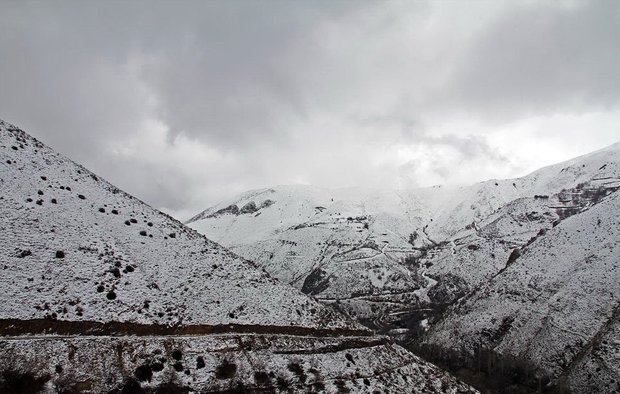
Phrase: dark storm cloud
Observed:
(211, 65)
(184, 103)
(222, 78)
(542, 57)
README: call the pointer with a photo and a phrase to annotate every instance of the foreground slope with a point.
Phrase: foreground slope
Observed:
(101, 292)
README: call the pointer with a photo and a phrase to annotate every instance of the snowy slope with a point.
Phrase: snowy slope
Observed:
(517, 274)
(339, 245)
(474, 203)
(121, 259)
(379, 252)
(101, 292)
(551, 304)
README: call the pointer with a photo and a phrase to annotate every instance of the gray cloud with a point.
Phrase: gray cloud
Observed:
(543, 58)
(185, 103)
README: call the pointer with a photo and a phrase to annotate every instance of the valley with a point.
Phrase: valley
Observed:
(426, 266)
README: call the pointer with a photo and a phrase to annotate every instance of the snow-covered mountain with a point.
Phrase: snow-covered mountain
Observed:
(554, 310)
(397, 260)
(101, 292)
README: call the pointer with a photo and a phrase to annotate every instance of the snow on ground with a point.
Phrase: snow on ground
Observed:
(102, 293)
(75, 247)
(548, 306)
(528, 264)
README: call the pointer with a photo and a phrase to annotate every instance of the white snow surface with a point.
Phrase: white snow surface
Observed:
(401, 211)
(79, 253)
(554, 303)
(171, 275)
(350, 235)
(529, 267)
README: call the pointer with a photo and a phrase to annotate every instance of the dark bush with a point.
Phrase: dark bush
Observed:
(143, 373)
(410, 261)
(24, 253)
(143, 233)
(81, 197)
(231, 209)
(131, 386)
(200, 362)
(298, 371)
(226, 370)
(16, 382)
(342, 386)
(116, 272)
(282, 383)
(249, 208)
(60, 254)
(170, 388)
(267, 203)
(261, 378)
(177, 354)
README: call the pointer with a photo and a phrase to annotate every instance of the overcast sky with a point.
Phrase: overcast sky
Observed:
(184, 104)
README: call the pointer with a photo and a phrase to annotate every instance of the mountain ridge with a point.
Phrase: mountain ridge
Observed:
(400, 262)
(103, 293)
